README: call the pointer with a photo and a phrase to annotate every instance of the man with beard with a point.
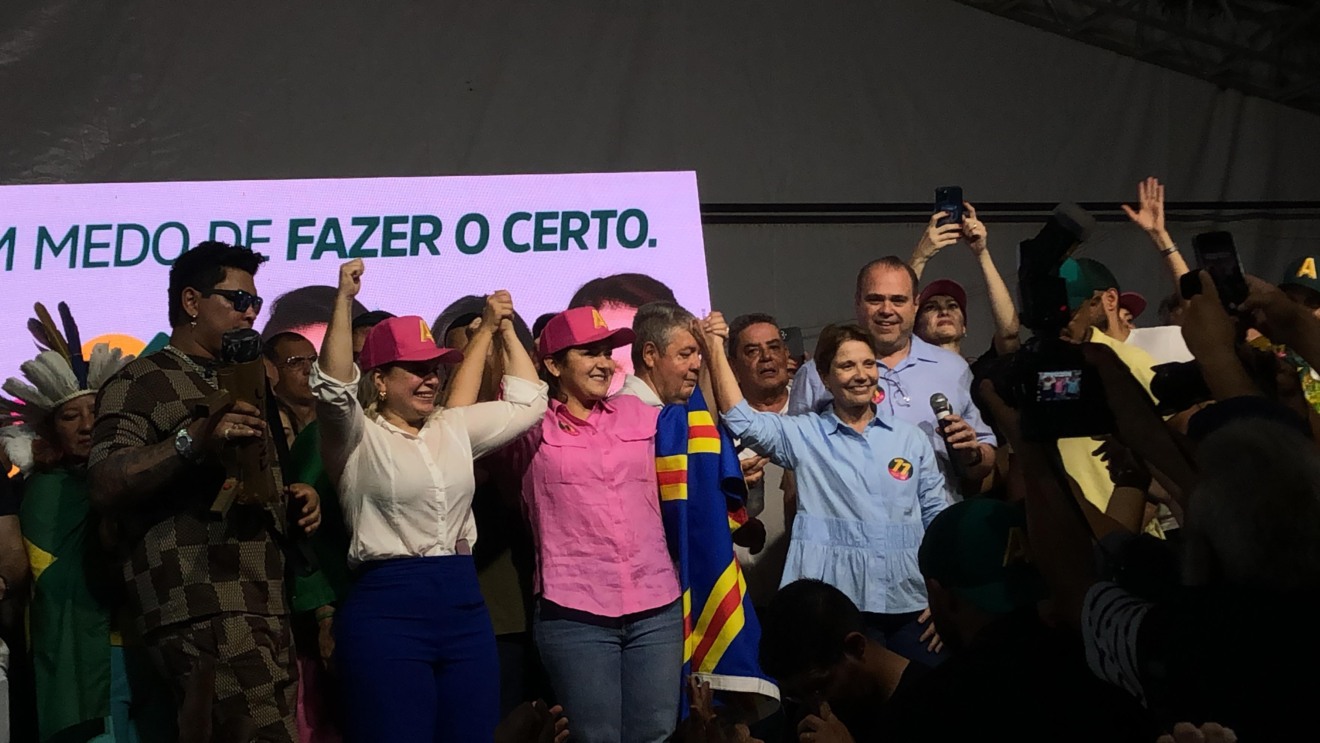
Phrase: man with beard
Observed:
(1093, 297)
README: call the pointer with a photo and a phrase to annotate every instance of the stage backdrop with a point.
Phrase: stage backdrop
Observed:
(106, 249)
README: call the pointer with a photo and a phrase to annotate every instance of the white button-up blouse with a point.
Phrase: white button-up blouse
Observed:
(406, 495)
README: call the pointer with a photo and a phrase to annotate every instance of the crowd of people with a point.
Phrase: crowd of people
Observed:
(461, 530)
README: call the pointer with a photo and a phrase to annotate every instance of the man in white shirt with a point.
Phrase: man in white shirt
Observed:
(666, 357)
(666, 370)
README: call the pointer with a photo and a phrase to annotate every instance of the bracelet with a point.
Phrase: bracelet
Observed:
(1169, 250)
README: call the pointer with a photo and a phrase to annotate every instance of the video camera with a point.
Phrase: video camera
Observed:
(1048, 379)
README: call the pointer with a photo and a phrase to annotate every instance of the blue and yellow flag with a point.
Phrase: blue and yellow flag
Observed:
(702, 496)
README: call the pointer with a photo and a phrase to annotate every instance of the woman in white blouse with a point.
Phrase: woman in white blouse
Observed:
(413, 641)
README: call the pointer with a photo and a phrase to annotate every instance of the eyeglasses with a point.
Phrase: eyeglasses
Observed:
(301, 363)
(239, 298)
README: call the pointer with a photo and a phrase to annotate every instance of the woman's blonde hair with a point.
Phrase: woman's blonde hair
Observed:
(367, 395)
(369, 398)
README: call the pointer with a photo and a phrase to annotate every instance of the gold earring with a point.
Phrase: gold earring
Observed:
(381, 397)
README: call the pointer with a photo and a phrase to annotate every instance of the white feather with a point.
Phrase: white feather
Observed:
(27, 394)
(103, 364)
(49, 372)
(17, 443)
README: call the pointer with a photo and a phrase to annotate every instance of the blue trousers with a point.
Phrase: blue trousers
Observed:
(415, 652)
(617, 677)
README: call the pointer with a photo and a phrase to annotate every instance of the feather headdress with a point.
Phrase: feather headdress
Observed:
(58, 374)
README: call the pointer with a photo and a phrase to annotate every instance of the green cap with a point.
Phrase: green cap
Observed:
(1084, 277)
(1302, 272)
(978, 550)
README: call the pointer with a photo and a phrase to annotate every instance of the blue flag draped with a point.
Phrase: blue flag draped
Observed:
(702, 497)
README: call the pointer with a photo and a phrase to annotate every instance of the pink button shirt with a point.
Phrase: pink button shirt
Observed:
(592, 499)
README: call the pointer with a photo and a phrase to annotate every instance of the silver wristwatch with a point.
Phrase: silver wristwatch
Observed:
(183, 445)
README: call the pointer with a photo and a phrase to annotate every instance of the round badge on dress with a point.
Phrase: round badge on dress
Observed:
(879, 396)
(900, 468)
(568, 428)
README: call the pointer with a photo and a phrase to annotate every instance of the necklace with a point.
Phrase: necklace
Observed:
(206, 374)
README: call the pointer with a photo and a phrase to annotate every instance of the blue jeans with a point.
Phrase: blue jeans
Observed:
(901, 633)
(415, 653)
(617, 678)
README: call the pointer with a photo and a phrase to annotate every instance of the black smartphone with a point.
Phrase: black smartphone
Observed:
(792, 337)
(949, 199)
(1218, 256)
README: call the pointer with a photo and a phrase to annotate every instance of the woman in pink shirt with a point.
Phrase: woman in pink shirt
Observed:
(608, 621)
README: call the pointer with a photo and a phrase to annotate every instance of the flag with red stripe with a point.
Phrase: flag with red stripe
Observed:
(703, 500)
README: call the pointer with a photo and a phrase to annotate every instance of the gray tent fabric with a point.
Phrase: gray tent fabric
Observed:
(770, 101)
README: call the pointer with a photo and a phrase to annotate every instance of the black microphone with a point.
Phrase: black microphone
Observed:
(939, 405)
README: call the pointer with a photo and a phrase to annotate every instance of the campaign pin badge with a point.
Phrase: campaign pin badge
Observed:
(900, 468)
(568, 428)
(879, 396)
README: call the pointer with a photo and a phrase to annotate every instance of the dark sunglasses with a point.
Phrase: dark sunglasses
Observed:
(239, 298)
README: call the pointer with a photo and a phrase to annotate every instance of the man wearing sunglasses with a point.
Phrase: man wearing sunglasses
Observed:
(206, 586)
(289, 359)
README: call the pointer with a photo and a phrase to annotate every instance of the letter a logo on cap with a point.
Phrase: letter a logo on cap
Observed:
(426, 332)
(1307, 269)
(596, 320)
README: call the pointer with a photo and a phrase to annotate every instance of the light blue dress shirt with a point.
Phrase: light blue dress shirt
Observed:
(864, 501)
(926, 370)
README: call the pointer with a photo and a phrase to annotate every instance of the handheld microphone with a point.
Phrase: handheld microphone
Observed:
(243, 376)
(939, 405)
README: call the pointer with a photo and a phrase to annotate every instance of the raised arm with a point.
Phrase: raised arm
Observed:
(335, 378)
(1210, 334)
(491, 425)
(765, 433)
(934, 238)
(1150, 218)
(465, 387)
(712, 333)
(517, 361)
(336, 359)
(1002, 309)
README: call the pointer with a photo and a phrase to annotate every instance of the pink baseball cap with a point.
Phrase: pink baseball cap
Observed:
(580, 326)
(947, 287)
(405, 338)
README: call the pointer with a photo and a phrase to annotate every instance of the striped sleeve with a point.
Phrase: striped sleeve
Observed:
(1111, 622)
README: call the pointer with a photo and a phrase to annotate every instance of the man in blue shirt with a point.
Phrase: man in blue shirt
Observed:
(868, 485)
(911, 370)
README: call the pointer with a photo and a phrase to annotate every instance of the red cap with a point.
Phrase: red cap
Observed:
(1132, 302)
(580, 326)
(405, 338)
(947, 287)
